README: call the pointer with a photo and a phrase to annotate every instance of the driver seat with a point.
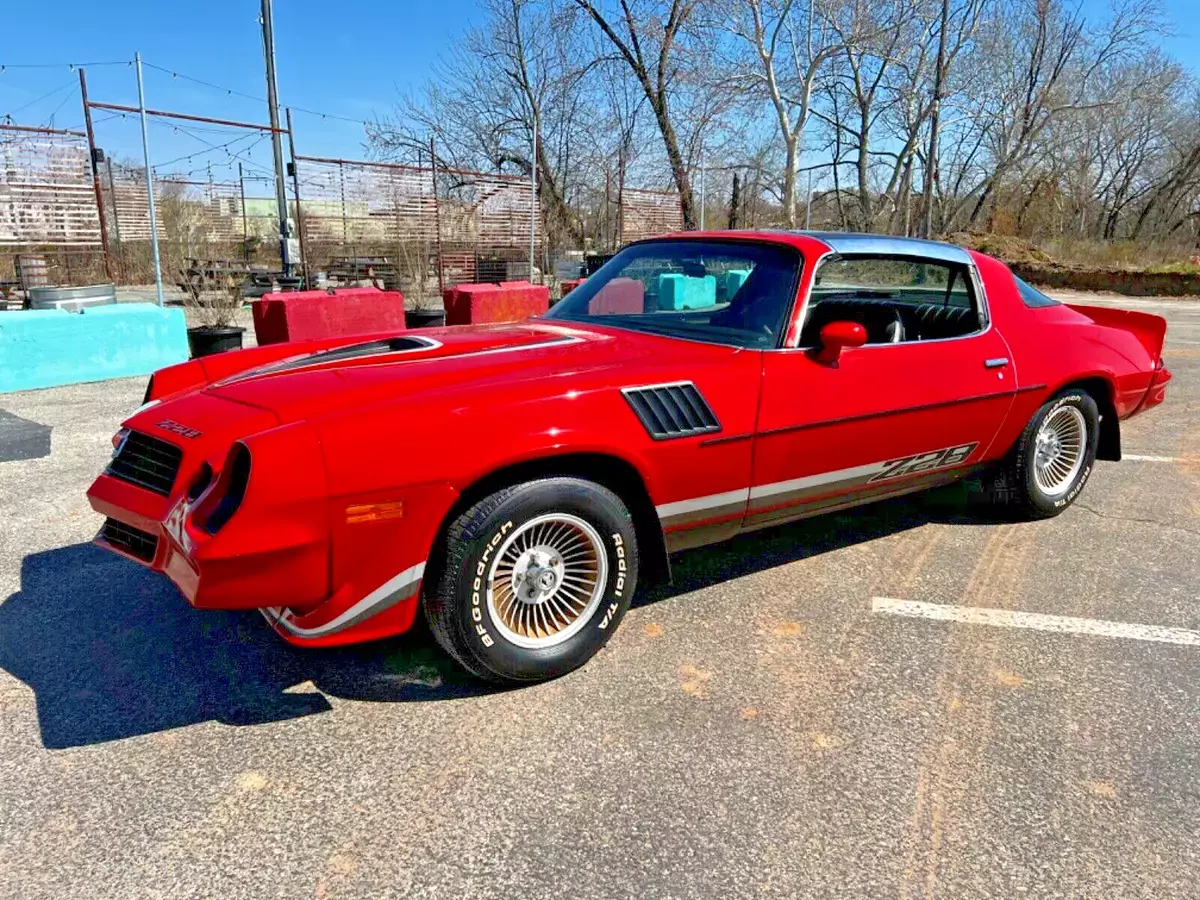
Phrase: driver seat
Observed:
(757, 305)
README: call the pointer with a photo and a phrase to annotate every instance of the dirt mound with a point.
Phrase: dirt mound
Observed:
(1005, 247)
(1036, 266)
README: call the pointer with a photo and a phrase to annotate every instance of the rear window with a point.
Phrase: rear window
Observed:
(1032, 297)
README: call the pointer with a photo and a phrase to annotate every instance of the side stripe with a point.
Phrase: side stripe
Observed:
(795, 484)
(683, 507)
(794, 489)
(388, 594)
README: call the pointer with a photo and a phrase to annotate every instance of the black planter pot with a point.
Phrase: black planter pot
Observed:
(205, 341)
(424, 318)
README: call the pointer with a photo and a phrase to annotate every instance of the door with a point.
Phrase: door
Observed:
(918, 405)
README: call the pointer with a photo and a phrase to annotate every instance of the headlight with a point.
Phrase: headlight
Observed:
(118, 440)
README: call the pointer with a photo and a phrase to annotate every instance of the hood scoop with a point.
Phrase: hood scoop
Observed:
(385, 347)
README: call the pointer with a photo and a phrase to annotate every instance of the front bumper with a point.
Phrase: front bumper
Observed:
(276, 552)
(222, 571)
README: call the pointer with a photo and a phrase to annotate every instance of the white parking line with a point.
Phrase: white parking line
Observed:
(1005, 618)
(1137, 458)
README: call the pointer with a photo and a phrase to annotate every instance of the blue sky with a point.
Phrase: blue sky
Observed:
(350, 58)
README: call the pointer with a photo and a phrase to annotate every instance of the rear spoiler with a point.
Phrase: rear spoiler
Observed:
(1149, 329)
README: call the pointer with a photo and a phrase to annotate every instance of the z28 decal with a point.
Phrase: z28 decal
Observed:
(175, 428)
(925, 462)
(794, 490)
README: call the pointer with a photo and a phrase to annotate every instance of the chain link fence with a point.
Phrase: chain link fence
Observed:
(49, 229)
(418, 228)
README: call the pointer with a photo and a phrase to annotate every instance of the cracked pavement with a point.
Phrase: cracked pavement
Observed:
(754, 730)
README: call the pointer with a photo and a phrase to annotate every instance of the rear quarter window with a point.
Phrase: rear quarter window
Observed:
(1032, 297)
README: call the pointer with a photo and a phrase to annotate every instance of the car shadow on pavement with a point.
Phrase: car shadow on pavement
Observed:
(111, 650)
(782, 544)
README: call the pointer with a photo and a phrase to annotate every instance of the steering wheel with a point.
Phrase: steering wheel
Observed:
(895, 329)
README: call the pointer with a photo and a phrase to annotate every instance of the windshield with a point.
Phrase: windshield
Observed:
(722, 292)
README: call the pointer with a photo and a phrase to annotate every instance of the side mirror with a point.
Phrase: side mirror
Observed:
(836, 337)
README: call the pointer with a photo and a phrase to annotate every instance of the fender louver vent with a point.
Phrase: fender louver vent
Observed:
(672, 410)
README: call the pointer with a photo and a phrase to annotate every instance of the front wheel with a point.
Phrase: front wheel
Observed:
(1054, 456)
(536, 578)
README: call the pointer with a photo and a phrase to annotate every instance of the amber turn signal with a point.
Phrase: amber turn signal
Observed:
(374, 512)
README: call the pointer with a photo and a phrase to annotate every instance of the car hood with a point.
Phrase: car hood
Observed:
(433, 361)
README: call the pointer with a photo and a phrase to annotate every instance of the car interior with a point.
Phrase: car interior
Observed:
(709, 293)
(718, 292)
(895, 300)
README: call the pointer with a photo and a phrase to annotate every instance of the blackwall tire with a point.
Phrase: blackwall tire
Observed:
(535, 579)
(1055, 455)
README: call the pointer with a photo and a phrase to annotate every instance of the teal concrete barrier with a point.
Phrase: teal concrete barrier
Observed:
(47, 347)
(732, 282)
(676, 291)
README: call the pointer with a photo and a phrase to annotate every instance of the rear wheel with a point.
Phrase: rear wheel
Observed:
(1054, 456)
(535, 580)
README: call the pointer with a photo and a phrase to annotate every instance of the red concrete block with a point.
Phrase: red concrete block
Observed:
(508, 301)
(565, 287)
(619, 296)
(310, 315)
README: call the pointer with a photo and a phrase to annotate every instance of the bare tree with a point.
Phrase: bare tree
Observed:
(1043, 63)
(516, 82)
(781, 50)
(650, 37)
(1052, 121)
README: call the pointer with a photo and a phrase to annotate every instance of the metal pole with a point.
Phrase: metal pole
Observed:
(607, 226)
(934, 123)
(437, 215)
(296, 191)
(245, 224)
(620, 196)
(92, 155)
(701, 187)
(345, 232)
(276, 144)
(808, 205)
(183, 117)
(112, 193)
(533, 197)
(424, 270)
(137, 58)
(808, 202)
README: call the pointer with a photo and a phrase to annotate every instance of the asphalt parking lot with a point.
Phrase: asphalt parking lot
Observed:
(769, 726)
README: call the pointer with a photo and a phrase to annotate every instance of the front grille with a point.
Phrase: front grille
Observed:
(134, 541)
(147, 462)
(672, 410)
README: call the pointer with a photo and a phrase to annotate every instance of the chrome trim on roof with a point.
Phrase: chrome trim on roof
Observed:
(846, 243)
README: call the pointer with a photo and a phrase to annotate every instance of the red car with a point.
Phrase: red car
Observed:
(516, 482)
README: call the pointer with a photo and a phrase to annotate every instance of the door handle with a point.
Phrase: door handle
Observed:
(995, 363)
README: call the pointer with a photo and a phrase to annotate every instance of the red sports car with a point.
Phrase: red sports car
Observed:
(516, 481)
